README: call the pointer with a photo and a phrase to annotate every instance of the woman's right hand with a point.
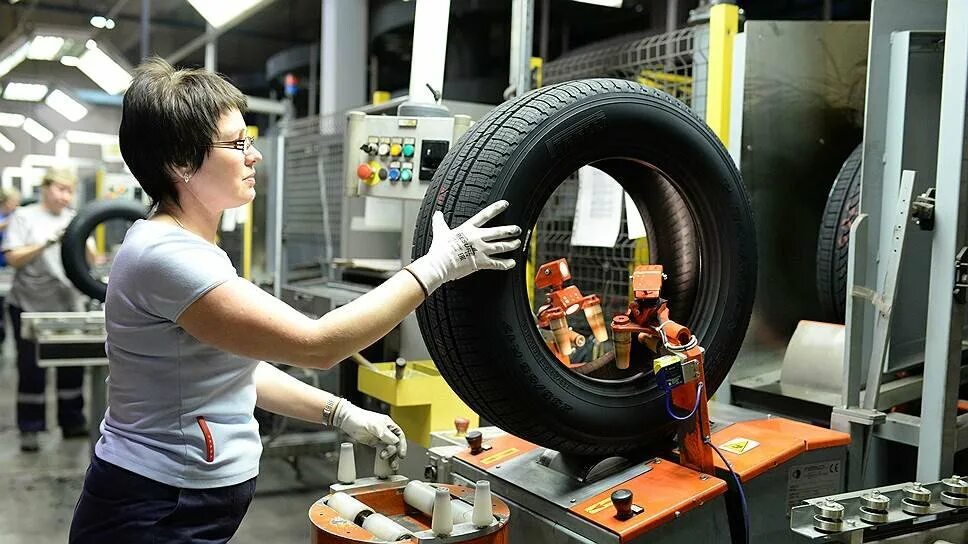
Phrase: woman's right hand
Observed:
(456, 253)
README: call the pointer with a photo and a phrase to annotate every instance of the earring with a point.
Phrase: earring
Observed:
(186, 176)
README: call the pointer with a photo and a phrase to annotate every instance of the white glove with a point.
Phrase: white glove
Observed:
(373, 429)
(55, 238)
(456, 253)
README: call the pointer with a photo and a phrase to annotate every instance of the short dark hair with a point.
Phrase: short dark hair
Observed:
(168, 119)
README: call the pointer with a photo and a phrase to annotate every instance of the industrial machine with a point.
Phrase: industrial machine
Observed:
(391, 508)
(675, 492)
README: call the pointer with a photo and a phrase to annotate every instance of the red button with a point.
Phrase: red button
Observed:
(363, 171)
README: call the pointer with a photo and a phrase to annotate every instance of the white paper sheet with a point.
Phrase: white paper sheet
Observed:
(598, 212)
(633, 221)
(383, 213)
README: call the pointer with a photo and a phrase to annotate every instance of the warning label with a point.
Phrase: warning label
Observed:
(812, 481)
(739, 446)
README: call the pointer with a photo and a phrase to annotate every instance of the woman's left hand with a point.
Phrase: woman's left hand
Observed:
(373, 429)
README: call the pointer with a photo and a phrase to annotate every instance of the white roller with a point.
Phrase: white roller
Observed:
(346, 468)
(442, 522)
(483, 510)
(420, 495)
(385, 528)
(348, 507)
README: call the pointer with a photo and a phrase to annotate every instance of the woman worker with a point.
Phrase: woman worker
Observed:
(187, 338)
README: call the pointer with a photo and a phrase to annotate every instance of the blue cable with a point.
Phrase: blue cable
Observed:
(739, 488)
(695, 408)
(708, 441)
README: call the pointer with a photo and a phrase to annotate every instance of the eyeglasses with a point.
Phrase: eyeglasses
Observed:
(243, 144)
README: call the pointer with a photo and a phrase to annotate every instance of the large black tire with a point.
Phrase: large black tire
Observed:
(73, 252)
(480, 330)
(833, 240)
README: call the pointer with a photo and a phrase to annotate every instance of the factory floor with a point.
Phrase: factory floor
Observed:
(38, 490)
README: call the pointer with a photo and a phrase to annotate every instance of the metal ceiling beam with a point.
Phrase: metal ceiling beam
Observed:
(212, 34)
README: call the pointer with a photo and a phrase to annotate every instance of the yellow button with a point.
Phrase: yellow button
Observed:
(374, 170)
(395, 150)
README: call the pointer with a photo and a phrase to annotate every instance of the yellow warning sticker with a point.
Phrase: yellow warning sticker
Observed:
(739, 446)
(493, 458)
(598, 506)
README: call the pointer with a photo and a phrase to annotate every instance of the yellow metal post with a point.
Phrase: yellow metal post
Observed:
(99, 236)
(723, 25)
(252, 131)
(420, 401)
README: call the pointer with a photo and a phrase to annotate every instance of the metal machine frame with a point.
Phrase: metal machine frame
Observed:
(898, 131)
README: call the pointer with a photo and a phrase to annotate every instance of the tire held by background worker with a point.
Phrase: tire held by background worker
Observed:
(480, 331)
(80, 229)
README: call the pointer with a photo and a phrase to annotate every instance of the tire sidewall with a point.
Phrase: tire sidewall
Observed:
(607, 125)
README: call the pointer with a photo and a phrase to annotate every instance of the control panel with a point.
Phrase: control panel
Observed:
(396, 157)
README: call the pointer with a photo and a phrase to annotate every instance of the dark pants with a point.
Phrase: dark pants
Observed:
(32, 380)
(117, 505)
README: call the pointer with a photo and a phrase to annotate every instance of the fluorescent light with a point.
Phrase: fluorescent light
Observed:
(102, 69)
(219, 12)
(11, 120)
(45, 47)
(30, 92)
(38, 131)
(6, 144)
(62, 148)
(606, 3)
(13, 59)
(90, 138)
(65, 105)
(68, 60)
(109, 24)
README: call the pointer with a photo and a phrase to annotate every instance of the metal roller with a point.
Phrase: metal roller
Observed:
(828, 517)
(873, 507)
(830, 510)
(917, 500)
(875, 501)
(954, 492)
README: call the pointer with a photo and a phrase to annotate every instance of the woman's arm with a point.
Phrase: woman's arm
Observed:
(240, 318)
(283, 394)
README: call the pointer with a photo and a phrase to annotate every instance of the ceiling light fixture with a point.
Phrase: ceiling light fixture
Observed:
(103, 70)
(12, 60)
(68, 60)
(218, 12)
(38, 131)
(90, 138)
(11, 120)
(63, 104)
(6, 144)
(45, 47)
(28, 92)
(605, 3)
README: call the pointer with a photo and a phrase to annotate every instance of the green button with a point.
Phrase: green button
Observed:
(407, 150)
(406, 174)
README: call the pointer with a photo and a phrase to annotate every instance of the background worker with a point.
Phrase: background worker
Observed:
(31, 245)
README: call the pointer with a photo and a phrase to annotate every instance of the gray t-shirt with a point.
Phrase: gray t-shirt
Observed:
(40, 285)
(179, 411)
